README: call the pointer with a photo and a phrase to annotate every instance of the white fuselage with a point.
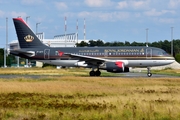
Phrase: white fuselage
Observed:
(129, 63)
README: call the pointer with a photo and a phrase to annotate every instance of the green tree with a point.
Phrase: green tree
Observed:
(177, 57)
(155, 44)
(82, 44)
(9, 58)
(166, 45)
(99, 43)
(1, 57)
(134, 44)
(107, 44)
(176, 44)
(92, 43)
(127, 43)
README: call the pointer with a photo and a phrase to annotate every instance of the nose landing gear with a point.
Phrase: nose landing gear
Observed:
(149, 74)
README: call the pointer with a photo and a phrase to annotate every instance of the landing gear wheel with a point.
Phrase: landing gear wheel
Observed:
(98, 73)
(92, 73)
(149, 74)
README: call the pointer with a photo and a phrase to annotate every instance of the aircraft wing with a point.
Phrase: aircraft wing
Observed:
(89, 59)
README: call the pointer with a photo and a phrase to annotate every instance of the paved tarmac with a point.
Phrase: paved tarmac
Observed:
(123, 75)
(23, 76)
(139, 74)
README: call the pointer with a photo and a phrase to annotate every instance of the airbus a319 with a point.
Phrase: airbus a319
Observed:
(112, 59)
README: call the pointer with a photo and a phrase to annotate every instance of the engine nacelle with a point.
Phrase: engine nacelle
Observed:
(81, 64)
(115, 67)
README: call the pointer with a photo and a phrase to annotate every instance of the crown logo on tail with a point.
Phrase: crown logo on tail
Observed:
(29, 38)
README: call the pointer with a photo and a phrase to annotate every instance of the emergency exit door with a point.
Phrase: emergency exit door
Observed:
(148, 53)
(46, 53)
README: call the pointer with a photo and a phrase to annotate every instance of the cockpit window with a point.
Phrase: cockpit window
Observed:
(160, 52)
(164, 53)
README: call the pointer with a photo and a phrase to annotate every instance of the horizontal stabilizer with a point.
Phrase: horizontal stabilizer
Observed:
(20, 51)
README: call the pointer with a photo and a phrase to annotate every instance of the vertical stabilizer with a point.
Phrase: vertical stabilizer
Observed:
(26, 37)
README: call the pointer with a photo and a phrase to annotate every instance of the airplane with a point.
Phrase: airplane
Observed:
(111, 59)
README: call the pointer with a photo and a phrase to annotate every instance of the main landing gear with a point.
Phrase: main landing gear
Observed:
(149, 74)
(95, 73)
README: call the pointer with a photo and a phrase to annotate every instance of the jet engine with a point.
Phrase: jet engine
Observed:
(81, 64)
(116, 67)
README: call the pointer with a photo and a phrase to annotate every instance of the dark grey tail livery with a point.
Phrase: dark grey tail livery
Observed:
(26, 37)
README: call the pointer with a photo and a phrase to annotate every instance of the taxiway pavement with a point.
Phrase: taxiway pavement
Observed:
(123, 75)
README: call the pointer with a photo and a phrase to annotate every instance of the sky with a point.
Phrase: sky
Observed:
(108, 20)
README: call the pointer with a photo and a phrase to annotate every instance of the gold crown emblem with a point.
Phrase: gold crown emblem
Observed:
(29, 38)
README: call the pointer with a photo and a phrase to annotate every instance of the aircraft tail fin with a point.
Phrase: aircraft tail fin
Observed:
(26, 37)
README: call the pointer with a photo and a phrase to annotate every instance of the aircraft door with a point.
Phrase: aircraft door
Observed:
(46, 53)
(106, 54)
(148, 53)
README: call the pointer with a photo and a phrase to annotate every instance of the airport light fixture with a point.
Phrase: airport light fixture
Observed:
(27, 19)
(18, 47)
(5, 48)
(172, 41)
(27, 23)
(37, 27)
(147, 37)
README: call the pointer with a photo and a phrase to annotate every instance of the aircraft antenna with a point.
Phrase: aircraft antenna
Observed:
(172, 41)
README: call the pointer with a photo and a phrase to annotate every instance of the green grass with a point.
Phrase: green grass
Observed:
(53, 71)
(167, 71)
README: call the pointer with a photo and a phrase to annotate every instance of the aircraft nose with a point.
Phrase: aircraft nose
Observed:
(171, 60)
